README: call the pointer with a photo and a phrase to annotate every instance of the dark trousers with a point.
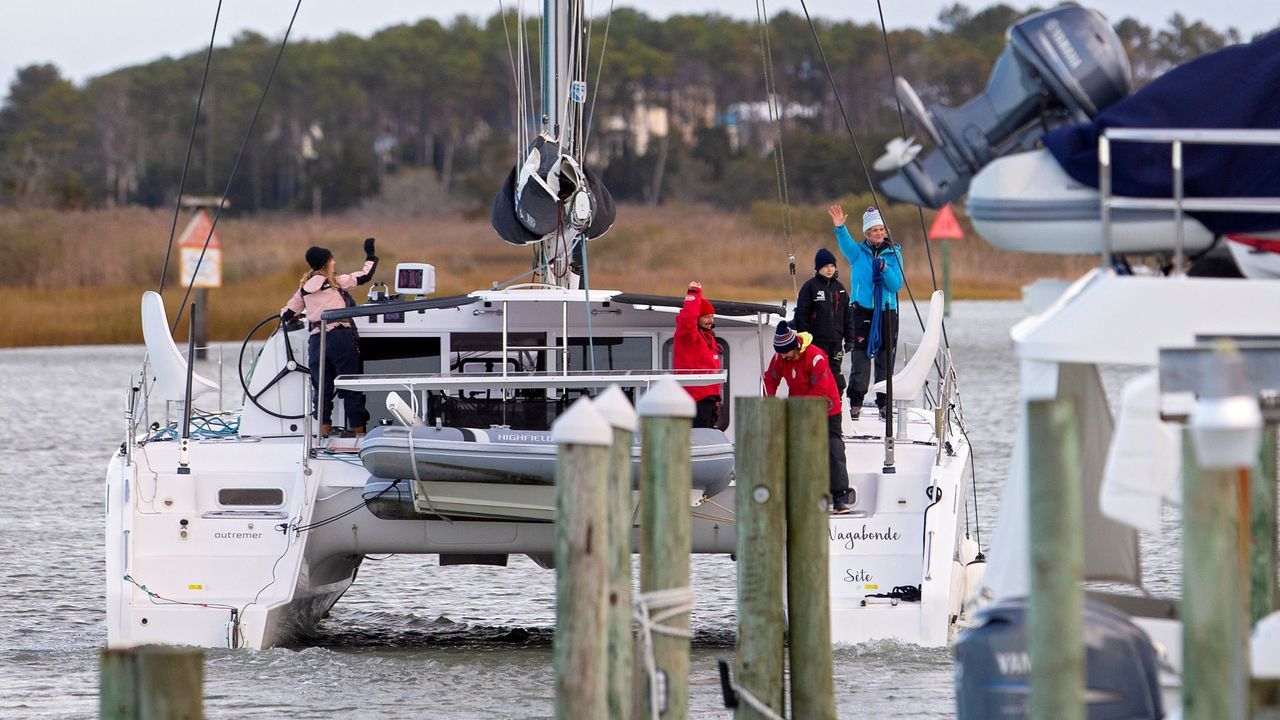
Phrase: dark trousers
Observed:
(708, 413)
(861, 364)
(341, 357)
(835, 451)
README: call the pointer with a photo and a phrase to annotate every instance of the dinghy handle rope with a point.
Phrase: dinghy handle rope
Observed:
(651, 609)
(186, 161)
(222, 201)
(413, 462)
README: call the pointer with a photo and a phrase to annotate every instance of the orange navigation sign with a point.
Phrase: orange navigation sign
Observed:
(190, 244)
(945, 226)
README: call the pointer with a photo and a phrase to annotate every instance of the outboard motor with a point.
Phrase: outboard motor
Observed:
(1061, 66)
(993, 666)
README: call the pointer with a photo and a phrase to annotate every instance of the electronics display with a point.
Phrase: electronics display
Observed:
(415, 279)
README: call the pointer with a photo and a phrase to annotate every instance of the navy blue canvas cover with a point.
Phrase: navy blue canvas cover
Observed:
(1232, 88)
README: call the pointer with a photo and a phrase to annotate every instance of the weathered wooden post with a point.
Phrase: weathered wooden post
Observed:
(1262, 576)
(808, 598)
(616, 409)
(1212, 627)
(1262, 569)
(1221, 442)
(583, 439)
(760, 460)
(152, 681)
(1055, 640)
(666, 476)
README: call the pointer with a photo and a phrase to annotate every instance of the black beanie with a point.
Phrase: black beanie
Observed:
(823, 258)
(317, 257)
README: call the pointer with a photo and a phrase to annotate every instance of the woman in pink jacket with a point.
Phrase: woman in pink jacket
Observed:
(320, 290)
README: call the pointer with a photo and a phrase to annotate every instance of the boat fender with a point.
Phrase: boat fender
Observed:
(973, 573)
(956, 595)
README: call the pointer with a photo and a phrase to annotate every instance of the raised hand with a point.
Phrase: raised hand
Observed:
(837, 215)
(695, 284)
(368, 247)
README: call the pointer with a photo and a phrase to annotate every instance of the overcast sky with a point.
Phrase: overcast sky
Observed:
(85, 38)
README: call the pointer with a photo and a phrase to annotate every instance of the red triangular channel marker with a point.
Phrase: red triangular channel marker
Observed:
(945, 226)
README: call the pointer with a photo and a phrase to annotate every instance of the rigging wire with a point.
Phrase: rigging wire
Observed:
(239, 156)
(515, 74)
(902, 124)
(775, 118)
(595, 91)
(875, 198)
(191, 141)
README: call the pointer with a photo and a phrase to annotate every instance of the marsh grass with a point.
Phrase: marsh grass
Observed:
(76, 277)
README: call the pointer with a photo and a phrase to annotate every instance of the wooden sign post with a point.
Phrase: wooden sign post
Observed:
(945, 227)
(201, 265)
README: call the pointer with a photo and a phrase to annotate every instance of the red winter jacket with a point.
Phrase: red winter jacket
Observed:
(806, 376)
(695, 348)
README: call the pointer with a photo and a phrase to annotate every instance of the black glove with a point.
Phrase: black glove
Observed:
(368, 248)
(287, 315)
(848, 346)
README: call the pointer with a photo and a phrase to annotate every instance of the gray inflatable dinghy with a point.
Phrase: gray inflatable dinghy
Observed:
(503, 455)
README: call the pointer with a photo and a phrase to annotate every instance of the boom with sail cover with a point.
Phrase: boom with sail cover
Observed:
(550, 191)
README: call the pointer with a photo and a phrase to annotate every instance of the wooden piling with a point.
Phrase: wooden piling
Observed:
(760, 459)
(666, 419)
(151, 681)
(1262, 568)
(946, 278)
(1262, 529)
(1213, 603)
(1055, 640)
(616, 409)
(583, 439)
(808, 597)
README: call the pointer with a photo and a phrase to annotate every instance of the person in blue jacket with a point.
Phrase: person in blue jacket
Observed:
(875, 276)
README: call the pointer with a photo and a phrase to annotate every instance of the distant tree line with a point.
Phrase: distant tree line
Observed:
(344, 113)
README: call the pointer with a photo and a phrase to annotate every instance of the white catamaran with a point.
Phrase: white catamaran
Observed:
(245, 534)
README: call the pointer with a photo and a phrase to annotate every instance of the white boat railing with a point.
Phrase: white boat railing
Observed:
(1176, 137)
(573, 380)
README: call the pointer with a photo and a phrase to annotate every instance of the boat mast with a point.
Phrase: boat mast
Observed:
(563, 95)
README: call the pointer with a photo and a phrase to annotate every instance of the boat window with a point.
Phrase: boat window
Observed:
(726, 407)
(482, 352)
(396, 356)
(610, 353)
(258, 497)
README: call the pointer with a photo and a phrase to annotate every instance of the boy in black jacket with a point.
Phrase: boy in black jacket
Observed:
(822, 310)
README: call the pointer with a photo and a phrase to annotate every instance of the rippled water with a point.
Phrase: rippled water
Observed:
(410, 639)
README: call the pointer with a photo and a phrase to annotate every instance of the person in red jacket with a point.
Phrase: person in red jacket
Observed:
(695, 348)
(804, 367)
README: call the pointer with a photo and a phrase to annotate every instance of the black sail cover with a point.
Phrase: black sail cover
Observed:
(1234, 88)
(530, 204)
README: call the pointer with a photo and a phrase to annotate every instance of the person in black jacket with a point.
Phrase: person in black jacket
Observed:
(822, 310)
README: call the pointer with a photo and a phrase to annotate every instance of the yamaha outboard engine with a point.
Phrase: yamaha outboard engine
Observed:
(993, 666)
(1061, 66)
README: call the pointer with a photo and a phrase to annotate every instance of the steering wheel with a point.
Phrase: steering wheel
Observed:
(291, 364)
